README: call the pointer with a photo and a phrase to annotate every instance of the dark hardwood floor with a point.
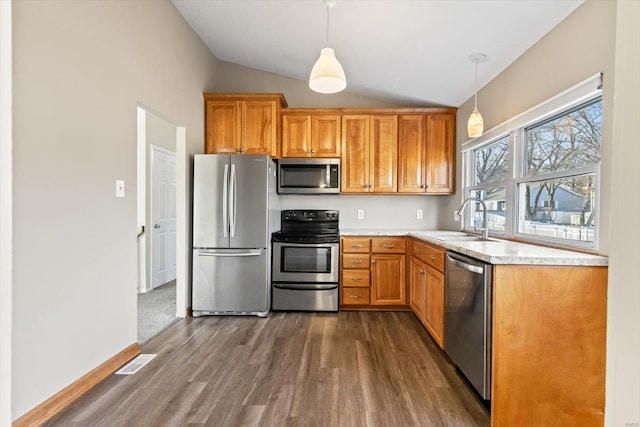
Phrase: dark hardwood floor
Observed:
(290, 369)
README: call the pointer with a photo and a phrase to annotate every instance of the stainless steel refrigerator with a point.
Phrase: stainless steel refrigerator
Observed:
(234, 212)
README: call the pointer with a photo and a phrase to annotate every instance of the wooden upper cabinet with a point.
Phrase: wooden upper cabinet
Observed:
(355, 154)
(325, 135)
(426, 153)
(311, 135)
(242, 123)
(223, 120)
(259, 131)
(412, 147)
(296, 135)
(441, 156)
(369, 153)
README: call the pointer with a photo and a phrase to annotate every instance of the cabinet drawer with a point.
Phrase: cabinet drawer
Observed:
(389, 245)
(355, 261)
(353, 296)
(356, 244)
(429, 254)
(356, 278)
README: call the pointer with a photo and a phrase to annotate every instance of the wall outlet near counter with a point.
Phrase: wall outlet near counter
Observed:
(456, 217)
(360, 213)
(419, 214)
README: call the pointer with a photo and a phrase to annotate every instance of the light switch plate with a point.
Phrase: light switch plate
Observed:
(360, 213)
(419, 214)
(119, 188)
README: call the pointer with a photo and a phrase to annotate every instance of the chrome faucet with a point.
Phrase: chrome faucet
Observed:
(484, 229)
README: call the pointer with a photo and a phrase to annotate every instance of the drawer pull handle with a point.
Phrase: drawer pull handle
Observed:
(433, 257)
(356, 245)
(356, 261)
(354, 296)
(389, 246)
(356, 279)
(421, 271)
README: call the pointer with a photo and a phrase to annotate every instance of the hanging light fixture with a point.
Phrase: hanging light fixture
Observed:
(475, 125)
(327, 75)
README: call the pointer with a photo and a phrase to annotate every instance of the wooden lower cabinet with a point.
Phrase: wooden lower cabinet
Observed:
(388, 279)
(426, 288)
(373, 272)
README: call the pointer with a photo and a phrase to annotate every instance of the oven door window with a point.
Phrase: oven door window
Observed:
(297, 259)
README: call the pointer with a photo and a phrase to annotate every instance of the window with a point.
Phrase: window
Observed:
(539, 176)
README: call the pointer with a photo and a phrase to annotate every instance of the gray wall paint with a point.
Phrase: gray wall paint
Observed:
(80, 69)
(577, 48)
(381, 212)
(238, 78)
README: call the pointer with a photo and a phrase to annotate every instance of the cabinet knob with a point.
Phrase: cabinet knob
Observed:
(373, 261)
(389, 246)
(433, 257)
(354, 296)
(356, 245)
(356, 261)
(313, 151)
(356, 279)
(421, 271)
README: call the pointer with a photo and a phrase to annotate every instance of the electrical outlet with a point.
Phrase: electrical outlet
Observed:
(456, 217)
(360, 213)
(419, 214)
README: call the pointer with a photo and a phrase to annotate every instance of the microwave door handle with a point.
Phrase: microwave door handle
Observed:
(328, 178)
(225, 202)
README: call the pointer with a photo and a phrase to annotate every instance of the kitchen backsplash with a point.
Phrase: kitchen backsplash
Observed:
(383, 212)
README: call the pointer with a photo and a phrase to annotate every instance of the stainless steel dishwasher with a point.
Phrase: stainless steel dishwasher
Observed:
(468, 319)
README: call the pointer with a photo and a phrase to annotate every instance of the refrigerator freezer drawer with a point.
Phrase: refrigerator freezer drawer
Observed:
(230, 281)
(305, 297)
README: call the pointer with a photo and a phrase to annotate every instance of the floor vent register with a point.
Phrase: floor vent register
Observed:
(136, 364)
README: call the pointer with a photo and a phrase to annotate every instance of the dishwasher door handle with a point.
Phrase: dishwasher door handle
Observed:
(464, 265)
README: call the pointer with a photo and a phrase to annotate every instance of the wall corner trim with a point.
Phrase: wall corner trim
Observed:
(65, 397)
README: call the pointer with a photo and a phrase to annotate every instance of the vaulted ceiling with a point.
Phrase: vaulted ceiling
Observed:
(406, 52)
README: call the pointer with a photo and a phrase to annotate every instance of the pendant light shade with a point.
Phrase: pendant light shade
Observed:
(327, 75)
(475, 125)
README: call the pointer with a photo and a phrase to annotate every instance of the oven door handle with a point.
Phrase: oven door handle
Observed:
(306, 287)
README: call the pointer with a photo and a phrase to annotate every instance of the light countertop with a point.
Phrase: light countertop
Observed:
(495, 252)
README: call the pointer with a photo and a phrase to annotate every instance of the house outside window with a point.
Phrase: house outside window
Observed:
(539, 177)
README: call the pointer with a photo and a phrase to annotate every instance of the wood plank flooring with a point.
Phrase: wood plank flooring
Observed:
(290, 369)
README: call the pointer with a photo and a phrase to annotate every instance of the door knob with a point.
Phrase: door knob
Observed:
(156, 225)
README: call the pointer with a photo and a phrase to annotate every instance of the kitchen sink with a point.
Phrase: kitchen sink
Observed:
(465, 238)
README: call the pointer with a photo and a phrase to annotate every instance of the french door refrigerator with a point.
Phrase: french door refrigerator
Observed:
(234, 213)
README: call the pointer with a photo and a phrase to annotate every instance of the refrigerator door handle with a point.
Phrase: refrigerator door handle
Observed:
(232, 201)
(225, 202)
(244, 254)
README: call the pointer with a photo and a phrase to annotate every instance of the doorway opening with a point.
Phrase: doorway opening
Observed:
(157, 216)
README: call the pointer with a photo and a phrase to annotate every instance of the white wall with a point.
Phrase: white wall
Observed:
(81, 68)
(381, 212)
(6, 200)
(623, 333)
(578, 47)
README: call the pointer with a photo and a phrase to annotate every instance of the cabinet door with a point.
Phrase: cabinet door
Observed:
(440, 154)
(223, 127)
(296, 135)
(434, 304)
(355, 154)
(259, 127)
(383, 152)
(325, 135)
(388, 280)
(417, 288)
(411, 147)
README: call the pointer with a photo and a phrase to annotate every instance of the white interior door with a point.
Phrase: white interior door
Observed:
(163, 215)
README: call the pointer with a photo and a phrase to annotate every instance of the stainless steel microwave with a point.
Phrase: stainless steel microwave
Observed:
(308, 176)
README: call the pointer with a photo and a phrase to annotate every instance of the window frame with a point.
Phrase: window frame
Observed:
(574, 98)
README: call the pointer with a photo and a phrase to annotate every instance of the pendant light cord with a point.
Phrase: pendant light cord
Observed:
(475, 103)
(328, 25)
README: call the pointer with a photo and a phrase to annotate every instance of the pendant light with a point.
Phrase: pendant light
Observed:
(327, 75)
(475, 125)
